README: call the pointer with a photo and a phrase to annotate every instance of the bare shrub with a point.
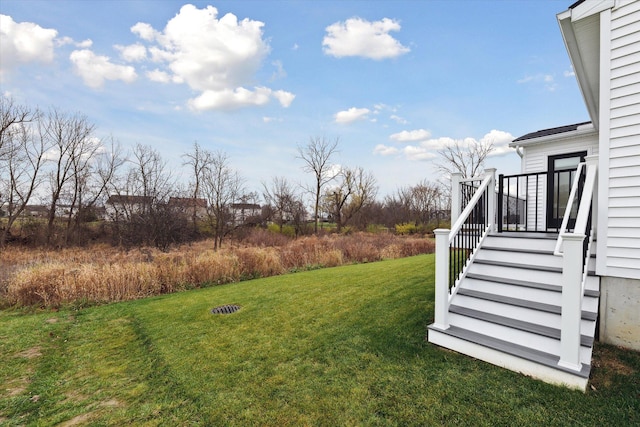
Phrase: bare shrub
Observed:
(100, 273)
(213, 267)
(417, 246)
(358, 248)
(259, 262)
(392, 251)
(261, 237)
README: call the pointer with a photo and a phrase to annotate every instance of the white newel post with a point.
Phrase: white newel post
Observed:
(456, 196)
(441, 316)
(491, 200)
(572, 264)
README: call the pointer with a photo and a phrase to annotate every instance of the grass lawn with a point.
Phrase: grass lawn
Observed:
(339, 346)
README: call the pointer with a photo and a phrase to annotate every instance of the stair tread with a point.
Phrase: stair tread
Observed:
(525, 235)
(516, 282)
(549, 308)
(526, 284)
(522, 352)
(527, 251)
(522, 325)
(519, 265)
(525, 266)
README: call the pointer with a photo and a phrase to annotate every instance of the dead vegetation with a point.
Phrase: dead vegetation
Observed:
(103, 274)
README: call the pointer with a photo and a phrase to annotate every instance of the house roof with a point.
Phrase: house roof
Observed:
(551, 131)
(576, 4)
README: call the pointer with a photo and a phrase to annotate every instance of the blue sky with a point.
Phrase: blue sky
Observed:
(393, 80)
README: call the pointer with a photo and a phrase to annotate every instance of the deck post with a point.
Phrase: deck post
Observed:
(491, 200)
(456, 196)
(572, 264)
(441, 316)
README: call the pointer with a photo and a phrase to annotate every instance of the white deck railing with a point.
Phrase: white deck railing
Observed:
(447, 276)
(571, 246)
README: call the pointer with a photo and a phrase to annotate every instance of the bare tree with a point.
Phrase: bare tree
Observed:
(12, 117)
(198, 161)
(317, 156)
(464, 156)
(355, 190)
(69, 135)
(221, 186)
(282, 200)
(21, 160)
(92, 176)
(426, 200)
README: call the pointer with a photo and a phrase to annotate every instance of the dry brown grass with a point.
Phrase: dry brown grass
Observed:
(101, 274)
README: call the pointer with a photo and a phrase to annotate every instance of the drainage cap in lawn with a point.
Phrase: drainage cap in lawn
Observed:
(225, 309)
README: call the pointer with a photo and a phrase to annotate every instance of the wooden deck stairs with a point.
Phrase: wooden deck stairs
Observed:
(507, 309)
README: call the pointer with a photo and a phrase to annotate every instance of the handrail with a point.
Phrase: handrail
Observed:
(470, 206)
(585, 202)
(456, 248)
(575, 263)
(567, 211)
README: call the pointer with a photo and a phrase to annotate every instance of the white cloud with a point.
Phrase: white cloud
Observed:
(158, 76)
(279, 73)
(358, 37)
(132, 53)
(398, 119)
(500, 140)
(95, 69)
(418, 153)
(23, 42)
(218, 57)
(547, 80)
(385, 150)
(84, 44)
(145, 31)
(285, 98)
(230, 99)
(351, 115)
(411, 136)
(63, 41)
(427, 149)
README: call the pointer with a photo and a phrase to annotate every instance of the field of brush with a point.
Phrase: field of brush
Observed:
(100, 274)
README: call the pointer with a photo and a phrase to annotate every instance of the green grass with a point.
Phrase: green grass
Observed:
(340, 346)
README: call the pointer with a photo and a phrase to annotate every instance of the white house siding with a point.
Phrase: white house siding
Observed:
(623, 181)
(536, 160)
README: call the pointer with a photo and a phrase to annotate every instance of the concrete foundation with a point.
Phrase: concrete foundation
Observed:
(620, 312)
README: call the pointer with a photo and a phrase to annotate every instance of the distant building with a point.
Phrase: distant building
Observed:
(241, 212)
(122, 206)
(186, 205)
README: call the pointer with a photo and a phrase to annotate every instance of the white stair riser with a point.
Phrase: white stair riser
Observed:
(515, 336)
(520, 257)
(499, 271)
(590, 304)
(593, 283)
(537, 317)
(508, 361)
(525, 293)
(513, 291)
(520, 243)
